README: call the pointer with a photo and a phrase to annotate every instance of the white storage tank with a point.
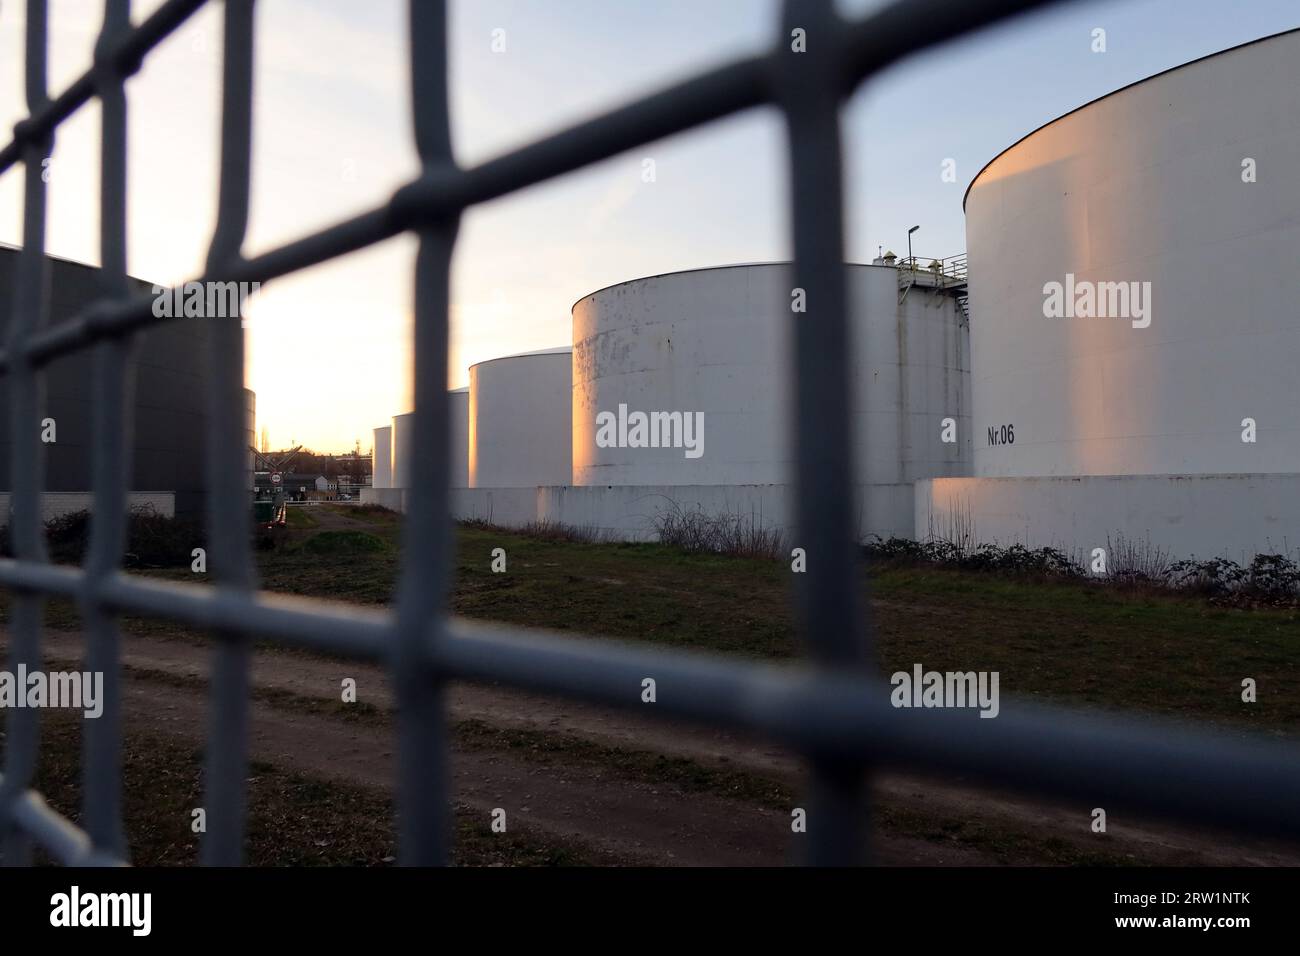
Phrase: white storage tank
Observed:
(1133, 279)
(403, 436)
(519, 420)
(382, 458)
(250, 436)
(458, 399)
(713, 348)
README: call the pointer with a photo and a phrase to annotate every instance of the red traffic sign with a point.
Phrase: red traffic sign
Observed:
(276, 478)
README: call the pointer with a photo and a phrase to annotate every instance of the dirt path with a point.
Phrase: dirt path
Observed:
(334, 517)
(653, 825)
(659, 824)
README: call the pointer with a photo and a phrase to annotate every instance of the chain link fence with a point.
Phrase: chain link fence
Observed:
(831, 708)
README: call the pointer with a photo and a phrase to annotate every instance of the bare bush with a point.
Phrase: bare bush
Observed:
(559, 531)
(955, 533)
(1132, 561)
(696, 531)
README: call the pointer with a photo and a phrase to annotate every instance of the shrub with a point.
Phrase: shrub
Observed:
(1129, 561)
(1272, 578)
(1016, 559)
(153, 540)
(1216, 577)
(157, 541)
(696, 531)
(67, 536)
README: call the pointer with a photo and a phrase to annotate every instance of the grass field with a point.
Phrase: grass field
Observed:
(1071, 642)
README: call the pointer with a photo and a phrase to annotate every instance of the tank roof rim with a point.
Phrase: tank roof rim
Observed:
(1115, 92)
(556, 350)
(717, 268)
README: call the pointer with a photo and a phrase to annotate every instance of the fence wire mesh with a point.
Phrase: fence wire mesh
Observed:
(832, 709)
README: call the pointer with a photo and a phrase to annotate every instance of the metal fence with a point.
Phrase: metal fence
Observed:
(831, 708)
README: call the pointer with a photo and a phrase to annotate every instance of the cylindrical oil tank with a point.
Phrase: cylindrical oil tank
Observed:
(168, 369)
(250, 436)
(458, 399)
(713, 348)
(381, 464)
(398, 444)
(1133, 279)
(519, 420)
(403, 436)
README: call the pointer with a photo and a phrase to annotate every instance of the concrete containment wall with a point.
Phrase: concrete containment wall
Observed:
(506, 507)
(1145, 186)
(393, 499)
(1202, 516)
(632, 512)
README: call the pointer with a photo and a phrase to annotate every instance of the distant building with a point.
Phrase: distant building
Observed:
(305, 487)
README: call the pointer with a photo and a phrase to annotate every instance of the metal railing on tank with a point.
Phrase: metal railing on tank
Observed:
(944, 273)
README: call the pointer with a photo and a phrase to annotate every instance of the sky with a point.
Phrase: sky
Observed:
(328, 347)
